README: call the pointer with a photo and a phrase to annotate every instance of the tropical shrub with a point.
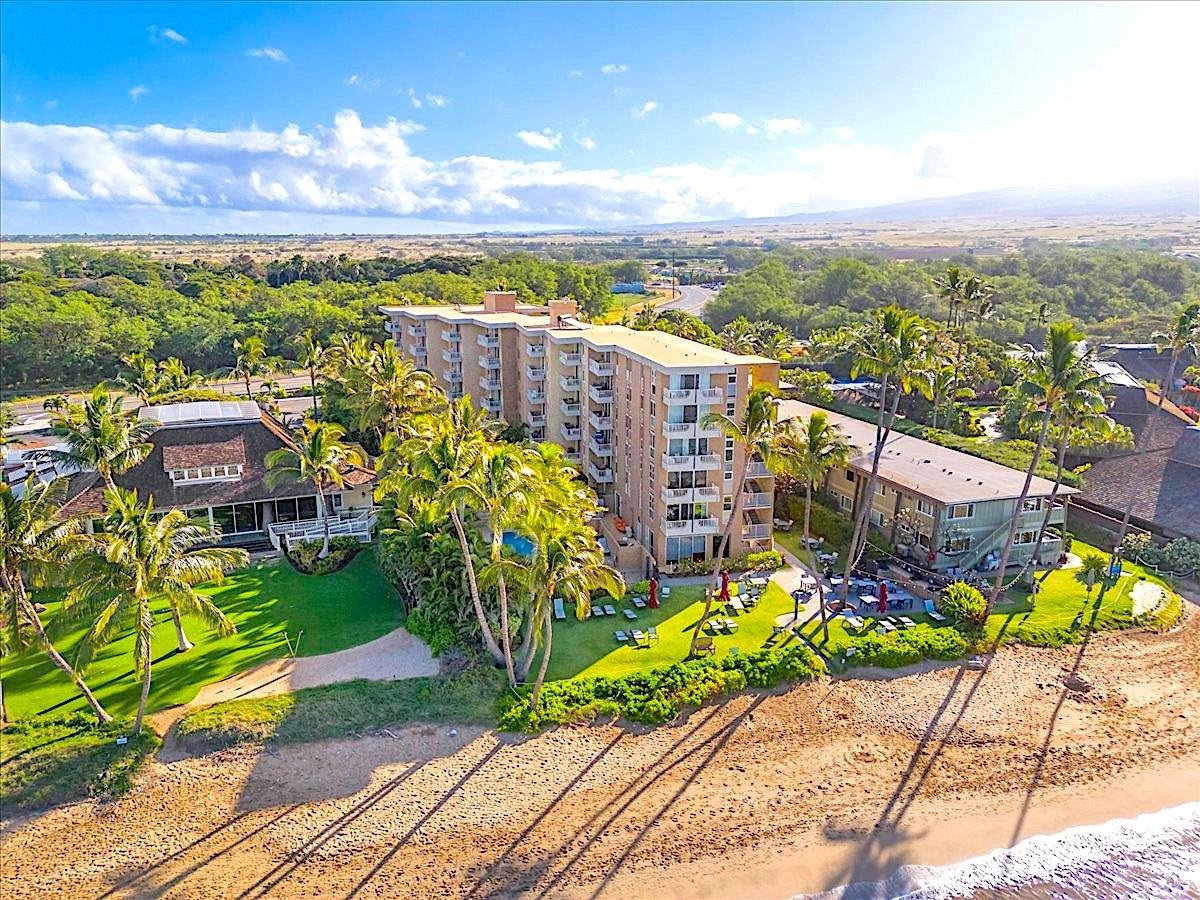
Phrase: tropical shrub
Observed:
(903, 648)
(747, 562)
(434, 631)
(965, 603)
(658, 695)
(342, 549)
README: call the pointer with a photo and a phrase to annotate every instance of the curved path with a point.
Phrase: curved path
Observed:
(395, 655)
(692, 299)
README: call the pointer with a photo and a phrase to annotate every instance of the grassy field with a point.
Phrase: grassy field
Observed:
(266, 601)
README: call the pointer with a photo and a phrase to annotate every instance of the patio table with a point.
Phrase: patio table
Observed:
(758, 581)
(867, 600)
(737, 604)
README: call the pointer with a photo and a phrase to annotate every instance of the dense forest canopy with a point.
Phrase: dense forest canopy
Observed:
(72, 313)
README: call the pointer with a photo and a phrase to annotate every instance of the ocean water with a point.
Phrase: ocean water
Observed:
(1153, 856)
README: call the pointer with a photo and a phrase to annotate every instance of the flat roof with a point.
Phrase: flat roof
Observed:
(215, 412)
(929, 469)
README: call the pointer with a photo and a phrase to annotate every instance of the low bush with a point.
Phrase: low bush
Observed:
(747, 562)
(965, 604)
(658, 695)
(304, 556)
(903, 648)
(640, 587)
(1166, 616)
(434, 631)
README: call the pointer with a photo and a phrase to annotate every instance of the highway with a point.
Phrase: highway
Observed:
(692, 299)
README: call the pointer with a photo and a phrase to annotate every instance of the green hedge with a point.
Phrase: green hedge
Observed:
(747, 562)
(903, 648)
(659, 695)
(436, 632)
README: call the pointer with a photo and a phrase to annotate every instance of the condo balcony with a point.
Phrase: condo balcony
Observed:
(707, 462)
(599, 422)
(451, 376)
(490, 341)
(567, 383)
(535, 349)
(570, 408)
(600, 476)
(603, 369)
(492, 405)
(572, 456)
(678, 396)
(451, 356)
(489, 384)
(417, 350)
(416, 331)
(756, 532)
(568, 359)
(600, 449)
(536, 396)
(678, 462)
(757, 500)
(679, 429)
(758, 469)
(705, 525)
(492, 363)
(570, 432)
(535, 374)
(710, 395)
(391, 326)
(451, 334)
(600, 395)
(536, 420)
(703, 494)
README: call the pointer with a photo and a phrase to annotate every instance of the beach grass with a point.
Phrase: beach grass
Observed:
(273, 606)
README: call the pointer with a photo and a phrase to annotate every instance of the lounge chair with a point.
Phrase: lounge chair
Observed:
(737, 605)
(856, 623)
(716, 625)
(907, 622)
(666, 590)
(705, 646)
(638, 637)
(731, 626)
(652, 634)
(621, 636)
(931, 611)
(639, 602)
(559, 612)
(610, 610)
(630, 614)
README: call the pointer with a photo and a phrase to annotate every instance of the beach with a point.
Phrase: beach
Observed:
(766, 795)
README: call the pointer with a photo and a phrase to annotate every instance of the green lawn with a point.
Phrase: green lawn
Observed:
(326, 613)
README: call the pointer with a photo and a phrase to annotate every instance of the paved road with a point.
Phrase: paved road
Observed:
(692, 299)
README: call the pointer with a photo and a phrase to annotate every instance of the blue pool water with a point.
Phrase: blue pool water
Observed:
(519, 543)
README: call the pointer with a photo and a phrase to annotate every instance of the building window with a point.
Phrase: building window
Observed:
(207, 473)
(923, 540)
(1032, 504)
(961, 511)
(1026, 537)
(924, 506)
(849, 475)
(727, 503)
(844, 502)
(881, 490)
(876, 518)
(959, 544)
(728, 475)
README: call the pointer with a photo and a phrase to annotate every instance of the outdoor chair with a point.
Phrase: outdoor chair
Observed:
(705, 646)
(716, 625)
(610, 610)
(630, 614)
(666, 591)
(731, 626)
(856, 623)
(621, 636)
(559, 612)
(931, 611)
(639, 602)
(907, 622)
(639, 637)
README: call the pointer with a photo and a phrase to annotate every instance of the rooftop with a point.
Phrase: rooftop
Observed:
(206, 412)
(929, 469)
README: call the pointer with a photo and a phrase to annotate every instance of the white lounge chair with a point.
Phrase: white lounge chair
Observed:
(931, 611)
(559, 612)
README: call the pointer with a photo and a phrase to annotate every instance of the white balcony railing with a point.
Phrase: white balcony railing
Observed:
(758, 469)
(600, 395)
(569, 409)
(391, 326)
(490, 341)
(451, 375)
(707, 431)
(682, 526)
(710, 395)
(535, 374)
(679, 429)
(600, 476)
(568, 359)
(706, 462)
(452, 335)
(536, 396)
(599, 422)
(572, 456)
(489, 384)
(603, 369)
(567, 383)
(706, 493)
(491, 363)
(707, 525)
(678, 462)
(601, 449)
(756, 532)
(492, 404)
(417, 350)
(570, 432)
(535, 350)
(679, 396)
(753, 500)
(416, 331)
(451, 356)
(353, 523)
(536, 420)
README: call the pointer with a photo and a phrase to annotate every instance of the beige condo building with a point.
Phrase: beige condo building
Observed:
(625, 405)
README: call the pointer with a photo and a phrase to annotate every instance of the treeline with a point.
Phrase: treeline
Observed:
(70, 315)
(1110, 293)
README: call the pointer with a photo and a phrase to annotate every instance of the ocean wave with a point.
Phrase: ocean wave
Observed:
(1153, 856)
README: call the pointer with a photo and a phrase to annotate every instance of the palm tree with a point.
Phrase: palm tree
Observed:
(174, 376)
(8, 419)
(100, 435)
(894, 348)
(757, 432)
(140, 375)
(813, 447)
(1092, 566)
(36, 544)
(310, 355)
(1049, 378)
(568, 563)
(318, 456)
(56, 403)
(138, 558)
(445, 449)
(395, 390)
(1182, 335)
(251, 360)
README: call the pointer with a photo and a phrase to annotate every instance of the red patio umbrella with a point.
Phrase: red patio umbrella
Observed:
(654, 593)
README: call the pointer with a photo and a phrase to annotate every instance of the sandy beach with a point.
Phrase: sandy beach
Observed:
(762, 796)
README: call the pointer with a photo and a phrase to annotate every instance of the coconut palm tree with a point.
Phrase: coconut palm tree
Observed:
(100, 435)
(442, 455)
(568, 563)
(319, 457)
(1182, 335)
(812, 448)
(894, 347)
(1047, 380)
(174, 376)
(56, 403)
(310, 355)
(395, 390)
(757, 432)
(140, 375)
(251, 360)
(138, 558)
(35, 545)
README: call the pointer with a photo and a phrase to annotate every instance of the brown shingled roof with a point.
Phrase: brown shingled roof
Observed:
(230, 452)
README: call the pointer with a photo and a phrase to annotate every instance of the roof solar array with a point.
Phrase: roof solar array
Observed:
(214, 412)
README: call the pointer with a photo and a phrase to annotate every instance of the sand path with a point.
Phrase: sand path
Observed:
(764, 795)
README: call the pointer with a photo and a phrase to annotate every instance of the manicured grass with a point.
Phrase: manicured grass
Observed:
(266, 601)
(345, 709)
(45, 762)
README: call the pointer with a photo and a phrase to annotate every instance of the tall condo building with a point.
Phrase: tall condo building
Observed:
(625, 405)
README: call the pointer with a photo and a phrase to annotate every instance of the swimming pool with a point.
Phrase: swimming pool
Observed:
(519, 543)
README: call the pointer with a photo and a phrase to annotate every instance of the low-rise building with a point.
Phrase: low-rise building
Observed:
(948, 510)
(626, 406)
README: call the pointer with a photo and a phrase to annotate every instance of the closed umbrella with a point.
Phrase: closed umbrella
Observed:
(654, 593)
(725, 586)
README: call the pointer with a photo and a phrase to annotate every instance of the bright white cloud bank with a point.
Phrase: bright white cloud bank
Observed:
(358, 169)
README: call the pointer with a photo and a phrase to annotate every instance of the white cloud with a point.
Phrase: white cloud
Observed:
(727, 121)
(841, 132)
(360, 81)
(613, 69)
(436, 100)
(272, 53)
(575, 73)
(586, 142)
(414, 98)
(137, 92)
(166, 34)
(777, 127)
(541, 140)
(645, 109)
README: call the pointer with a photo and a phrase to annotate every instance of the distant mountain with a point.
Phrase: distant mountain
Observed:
(1163, 198)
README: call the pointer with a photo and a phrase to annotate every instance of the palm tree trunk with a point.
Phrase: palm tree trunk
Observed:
(525, 652)
(505, 638)
(722, 549)
(3, 705)
(548, 630)
(1146, 437)
(1058, 474)
(813, 570)
(489, 640)
(141, 712)
(324, 519)
(249, 396)
(56, 657)
(184, 644)
(1016, 516)
(312, 378)
(883, 430)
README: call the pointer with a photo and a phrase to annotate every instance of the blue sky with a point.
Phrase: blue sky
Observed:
(375, 117)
